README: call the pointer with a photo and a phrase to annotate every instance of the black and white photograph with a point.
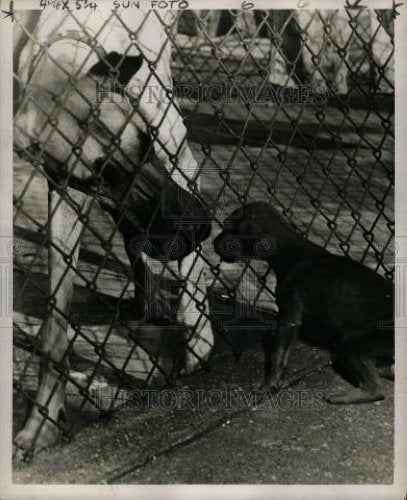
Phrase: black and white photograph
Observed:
(202, 248)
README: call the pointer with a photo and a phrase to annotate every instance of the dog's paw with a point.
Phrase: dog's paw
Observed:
(271, 384)
(34, 437)
(195, 359)
(387, 372)
(354, 396)
(269, 388)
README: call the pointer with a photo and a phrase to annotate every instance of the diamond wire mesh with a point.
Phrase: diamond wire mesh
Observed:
(327, 164)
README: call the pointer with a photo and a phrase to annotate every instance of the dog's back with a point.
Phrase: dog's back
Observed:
(339, 293)
(334, 291)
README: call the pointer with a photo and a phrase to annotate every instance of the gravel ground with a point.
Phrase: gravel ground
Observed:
(294, 439)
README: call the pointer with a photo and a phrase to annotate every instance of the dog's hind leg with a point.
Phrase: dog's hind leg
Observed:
(41, 429)
(363, 369)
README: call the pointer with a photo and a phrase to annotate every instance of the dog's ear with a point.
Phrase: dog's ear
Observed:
(117, 66)
(249, 228)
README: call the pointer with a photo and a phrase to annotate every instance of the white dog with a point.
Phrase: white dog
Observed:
(53, 69)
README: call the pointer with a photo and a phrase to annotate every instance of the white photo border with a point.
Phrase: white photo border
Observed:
(395, 491)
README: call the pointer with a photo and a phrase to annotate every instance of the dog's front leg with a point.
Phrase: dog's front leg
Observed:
(194, 304)
(41, 431)
(192, 312)
(277, 350)
(171, 147)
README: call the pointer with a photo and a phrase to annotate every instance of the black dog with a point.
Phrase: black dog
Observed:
(353, 304)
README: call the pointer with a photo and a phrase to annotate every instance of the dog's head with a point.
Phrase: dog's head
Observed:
(155, 214)
(244, 235)
(255, 231)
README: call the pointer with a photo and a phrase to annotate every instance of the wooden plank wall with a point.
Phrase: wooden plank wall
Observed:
(308, 38)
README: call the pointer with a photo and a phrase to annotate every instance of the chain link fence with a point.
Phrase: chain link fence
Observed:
(291, 107)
